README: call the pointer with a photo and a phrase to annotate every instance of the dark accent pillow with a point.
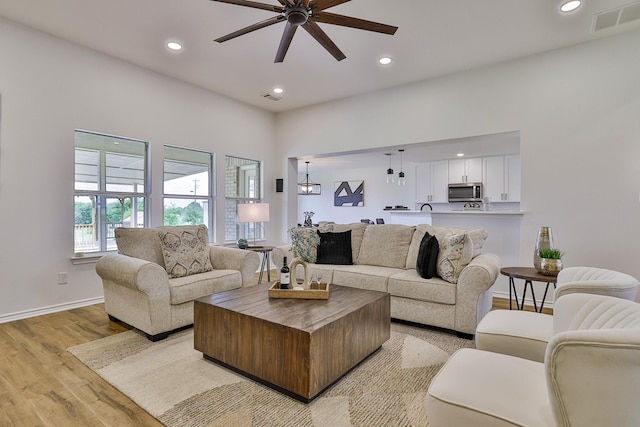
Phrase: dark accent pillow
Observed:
(427, 256)
(335, 248)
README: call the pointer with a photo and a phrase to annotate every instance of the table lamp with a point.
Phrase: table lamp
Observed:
(253, 212)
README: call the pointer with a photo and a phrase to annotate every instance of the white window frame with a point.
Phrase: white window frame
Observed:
(255, 195)
(102, 238)
(206, 199)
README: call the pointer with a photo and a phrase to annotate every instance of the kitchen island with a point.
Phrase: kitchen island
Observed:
(407, 217)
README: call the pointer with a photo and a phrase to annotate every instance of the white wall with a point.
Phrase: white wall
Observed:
(377, 194)
(49, 88)
(578, 112)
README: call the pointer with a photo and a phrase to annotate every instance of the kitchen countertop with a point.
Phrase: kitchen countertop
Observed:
(471, 212)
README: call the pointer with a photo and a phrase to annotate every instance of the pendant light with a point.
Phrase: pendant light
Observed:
(308, 187)
(401, 180)
(390, 177)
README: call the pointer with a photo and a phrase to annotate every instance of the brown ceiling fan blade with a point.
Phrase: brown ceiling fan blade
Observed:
(347, 21)
(322, 38)
(251, 28)
(253, 4)
(285, 42)
(319, 5)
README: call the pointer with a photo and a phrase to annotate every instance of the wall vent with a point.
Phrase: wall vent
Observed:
(271, 97)
(615, 17)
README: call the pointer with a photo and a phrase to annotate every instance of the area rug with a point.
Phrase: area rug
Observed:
(177, 386)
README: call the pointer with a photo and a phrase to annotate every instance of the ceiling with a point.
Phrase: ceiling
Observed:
(435, 37)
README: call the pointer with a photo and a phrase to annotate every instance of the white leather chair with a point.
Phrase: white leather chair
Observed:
(590, 376)
(526, 334)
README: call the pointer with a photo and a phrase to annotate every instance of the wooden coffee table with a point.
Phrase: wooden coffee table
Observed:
(298, 347)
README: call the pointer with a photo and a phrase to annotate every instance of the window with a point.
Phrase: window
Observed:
(242, 185)
(110, 188)
(188, 198)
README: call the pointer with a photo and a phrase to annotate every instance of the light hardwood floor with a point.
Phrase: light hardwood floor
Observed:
(41, 384)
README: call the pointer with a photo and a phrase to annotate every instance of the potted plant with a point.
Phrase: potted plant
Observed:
(550, 261)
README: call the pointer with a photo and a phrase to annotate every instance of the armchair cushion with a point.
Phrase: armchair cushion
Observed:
(141, 243)
(185, 251)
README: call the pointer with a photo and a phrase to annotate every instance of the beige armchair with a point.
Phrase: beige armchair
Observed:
(140, 292)
(526, 334)
(590, 376)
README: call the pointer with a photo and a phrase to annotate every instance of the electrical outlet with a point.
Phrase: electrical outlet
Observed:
(62, 278)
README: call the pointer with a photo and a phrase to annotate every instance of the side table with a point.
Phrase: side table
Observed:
(265, 251)
(529, 275)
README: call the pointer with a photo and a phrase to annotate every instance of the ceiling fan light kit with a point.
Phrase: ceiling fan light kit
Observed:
(305, 14)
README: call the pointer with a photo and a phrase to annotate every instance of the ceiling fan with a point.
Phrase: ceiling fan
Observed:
(305, 13)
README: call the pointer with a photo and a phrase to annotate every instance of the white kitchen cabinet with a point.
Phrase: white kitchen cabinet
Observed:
(465, 170)
(432, 181)
(501, 178)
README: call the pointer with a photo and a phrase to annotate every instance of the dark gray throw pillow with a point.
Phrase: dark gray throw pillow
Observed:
(427, 256)
(335, 248)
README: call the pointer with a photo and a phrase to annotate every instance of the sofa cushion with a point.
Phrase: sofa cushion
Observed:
(409, 284)
(304, 243)
(141, 243)
(386, 245)
(189, 288)
(364, 276)
(335, 248)
(357, 233)
(185, 250)
(427, 256)
(455, 254)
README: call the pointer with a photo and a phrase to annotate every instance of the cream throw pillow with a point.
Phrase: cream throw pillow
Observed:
(455, 254)
(386, 245)
(185, 251)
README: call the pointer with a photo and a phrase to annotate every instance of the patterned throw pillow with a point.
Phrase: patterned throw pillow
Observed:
(427, 256)
(455, 254)
(335, 248)
(185, 251)
(304, 243)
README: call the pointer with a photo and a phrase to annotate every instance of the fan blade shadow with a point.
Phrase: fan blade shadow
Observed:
(251, 28)
(322, 38)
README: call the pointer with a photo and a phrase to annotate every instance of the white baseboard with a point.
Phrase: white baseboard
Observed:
(527, 301)
(48, 310)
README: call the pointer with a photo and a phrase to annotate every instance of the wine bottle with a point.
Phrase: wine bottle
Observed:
(285, 276)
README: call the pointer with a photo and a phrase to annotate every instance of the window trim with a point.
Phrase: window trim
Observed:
(102, 192)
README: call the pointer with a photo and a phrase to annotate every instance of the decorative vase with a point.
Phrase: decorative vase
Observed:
(243, 244)
(544, 241)
(307, 219)
(550, 267)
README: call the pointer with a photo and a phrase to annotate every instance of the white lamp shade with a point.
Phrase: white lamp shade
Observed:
(253, 212)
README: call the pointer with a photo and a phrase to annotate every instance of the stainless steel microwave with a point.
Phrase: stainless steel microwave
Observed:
(465, 192)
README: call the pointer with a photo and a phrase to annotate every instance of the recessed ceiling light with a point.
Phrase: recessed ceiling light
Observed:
(278, 90)
(460, 154)
(570, 5)
(174, 46)
(385, 60)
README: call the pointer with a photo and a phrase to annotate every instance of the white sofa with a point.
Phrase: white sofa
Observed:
(590, 376)
(138, 285)
(384, 259)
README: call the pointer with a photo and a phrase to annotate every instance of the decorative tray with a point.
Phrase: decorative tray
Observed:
(315, 291)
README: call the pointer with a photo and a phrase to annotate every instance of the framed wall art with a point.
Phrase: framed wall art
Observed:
(349, 193)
